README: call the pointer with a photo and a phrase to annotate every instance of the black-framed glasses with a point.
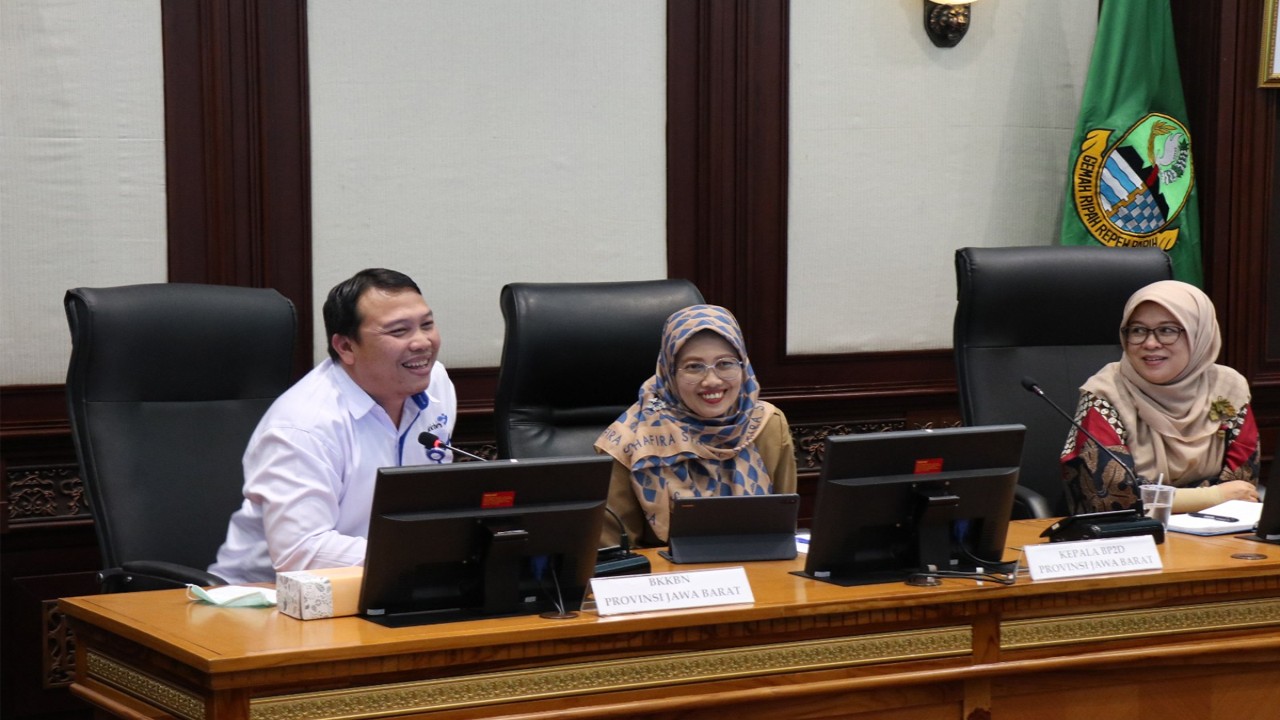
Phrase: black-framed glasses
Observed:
(1165, 334)
(694, 372)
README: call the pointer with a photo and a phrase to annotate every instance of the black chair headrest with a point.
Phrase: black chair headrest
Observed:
(152, 342)
(1033, 296)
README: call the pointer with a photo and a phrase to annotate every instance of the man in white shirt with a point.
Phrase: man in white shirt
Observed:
(311, 463)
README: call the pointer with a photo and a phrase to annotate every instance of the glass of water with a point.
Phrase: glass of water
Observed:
(1158, 502)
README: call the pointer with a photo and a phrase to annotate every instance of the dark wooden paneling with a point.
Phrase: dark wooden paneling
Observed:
(727, 162)
(33, 411)
(239, 204)
(40, 565)
(705, 113)
(1236, 125)
(237, 148)
(239, 212)
(47, 550)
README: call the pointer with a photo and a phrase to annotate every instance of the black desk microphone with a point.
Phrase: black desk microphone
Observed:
(619, 560)
(430, 440)
(1035, 389)
(1103, 524)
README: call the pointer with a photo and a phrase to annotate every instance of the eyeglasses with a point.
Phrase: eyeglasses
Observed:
(1166, 334)
(694, 372)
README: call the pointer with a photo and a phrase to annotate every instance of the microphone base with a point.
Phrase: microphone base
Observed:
(1095, 526)
(628, 564)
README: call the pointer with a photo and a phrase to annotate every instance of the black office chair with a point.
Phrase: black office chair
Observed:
(573, 358)
(1051, 314)
(166, 382)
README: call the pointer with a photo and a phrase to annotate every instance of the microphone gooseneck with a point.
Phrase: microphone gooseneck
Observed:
(431, 440)
(619, 559)
(624, 541)
(1034, 388)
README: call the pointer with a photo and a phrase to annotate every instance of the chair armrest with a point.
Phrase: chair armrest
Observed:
(154, 575)
(1029, 504)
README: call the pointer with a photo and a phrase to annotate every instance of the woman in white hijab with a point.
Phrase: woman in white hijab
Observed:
(1165, 408)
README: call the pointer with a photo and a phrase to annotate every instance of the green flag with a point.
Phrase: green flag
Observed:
(1132, 180)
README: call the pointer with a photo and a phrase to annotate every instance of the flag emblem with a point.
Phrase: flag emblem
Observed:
(1128, 192)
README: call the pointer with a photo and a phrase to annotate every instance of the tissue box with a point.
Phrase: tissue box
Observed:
(319, 593)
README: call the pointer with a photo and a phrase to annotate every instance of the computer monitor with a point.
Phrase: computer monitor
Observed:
(483, 539)
(732, 528)
(892, 505)
(1268, 527)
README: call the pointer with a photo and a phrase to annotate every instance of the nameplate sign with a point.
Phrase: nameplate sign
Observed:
(671, 591)
(1050, 561)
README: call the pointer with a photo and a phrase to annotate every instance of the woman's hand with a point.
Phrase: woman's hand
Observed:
(1238, 490)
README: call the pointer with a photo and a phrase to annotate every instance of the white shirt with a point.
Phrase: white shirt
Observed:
(310, 468)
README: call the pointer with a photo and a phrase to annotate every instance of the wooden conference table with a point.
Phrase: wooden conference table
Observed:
(1200, 639)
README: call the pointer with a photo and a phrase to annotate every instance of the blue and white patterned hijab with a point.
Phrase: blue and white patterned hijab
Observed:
(673, 452)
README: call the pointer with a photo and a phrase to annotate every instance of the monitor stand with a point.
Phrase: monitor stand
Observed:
(503, 556)
(503, 560)
(935, 513)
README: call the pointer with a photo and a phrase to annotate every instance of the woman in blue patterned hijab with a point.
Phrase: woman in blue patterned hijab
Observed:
(697, 426)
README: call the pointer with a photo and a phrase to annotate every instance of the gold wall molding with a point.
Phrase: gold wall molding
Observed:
(631, 674)
(161, 694)
(1126, 624)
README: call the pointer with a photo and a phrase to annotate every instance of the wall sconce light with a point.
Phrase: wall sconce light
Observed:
(946, 21)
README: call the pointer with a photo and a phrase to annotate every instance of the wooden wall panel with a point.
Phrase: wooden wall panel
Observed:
(727, 158)
(238, 163)
(1235, 128)
(238, 192)
(237, 148)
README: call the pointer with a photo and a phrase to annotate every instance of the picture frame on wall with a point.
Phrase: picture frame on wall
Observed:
(1270, 56)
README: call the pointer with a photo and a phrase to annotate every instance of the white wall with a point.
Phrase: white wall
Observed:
(473, 143)
(82, 194)
(902, 152)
